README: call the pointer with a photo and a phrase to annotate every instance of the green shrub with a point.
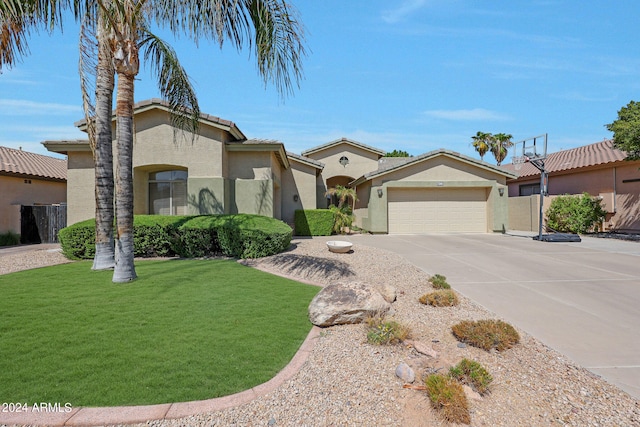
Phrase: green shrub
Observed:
(486, 334)
(9, 238)
(386, 331)
(440, 298)
(473, 374)
(575, 214)
(78, 241)
(448, 398)
(253, 236)
(439, 281)
(240, 236)
(314, 222)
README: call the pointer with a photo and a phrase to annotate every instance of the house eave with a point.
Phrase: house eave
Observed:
(430, 155)
(357, 144)
(66, 146)
(276, 147)
(155, 103)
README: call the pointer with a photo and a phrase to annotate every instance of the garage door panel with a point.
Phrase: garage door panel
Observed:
(437, 210)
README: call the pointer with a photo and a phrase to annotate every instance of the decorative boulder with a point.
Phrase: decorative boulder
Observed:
(343, 303)
(388, 292)
(405, 373)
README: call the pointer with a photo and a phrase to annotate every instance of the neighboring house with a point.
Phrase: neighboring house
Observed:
(221, 171)
(28, 179)
(598, 169)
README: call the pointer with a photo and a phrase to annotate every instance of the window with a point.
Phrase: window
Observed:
(529, 189)
(168, 193)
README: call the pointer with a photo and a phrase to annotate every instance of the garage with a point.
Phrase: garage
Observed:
(437, 210)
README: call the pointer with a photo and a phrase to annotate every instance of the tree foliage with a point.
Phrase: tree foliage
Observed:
(497, 144)
(575, 214)
(397, 153)
(626, 130)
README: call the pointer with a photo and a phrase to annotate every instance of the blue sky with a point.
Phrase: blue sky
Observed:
(413, 75)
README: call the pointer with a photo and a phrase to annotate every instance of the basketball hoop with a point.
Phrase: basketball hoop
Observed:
(518, 161)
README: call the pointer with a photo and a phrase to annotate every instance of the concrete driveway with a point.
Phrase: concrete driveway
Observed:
(582, 299)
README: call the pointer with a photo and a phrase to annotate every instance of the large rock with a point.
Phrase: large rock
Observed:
(343, 303)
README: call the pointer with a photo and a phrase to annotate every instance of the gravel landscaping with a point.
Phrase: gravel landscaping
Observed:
(347, 382)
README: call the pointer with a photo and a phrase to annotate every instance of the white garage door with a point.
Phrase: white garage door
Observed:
(429, 210)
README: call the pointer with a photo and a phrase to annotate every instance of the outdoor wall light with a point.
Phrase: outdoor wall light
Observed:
(379, 192)
(501, 191)
(296, 198)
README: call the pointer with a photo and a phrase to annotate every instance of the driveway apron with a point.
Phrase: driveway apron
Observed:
(581, 299)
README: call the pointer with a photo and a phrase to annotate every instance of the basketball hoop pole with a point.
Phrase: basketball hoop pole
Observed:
(539, 164)
(534, 151)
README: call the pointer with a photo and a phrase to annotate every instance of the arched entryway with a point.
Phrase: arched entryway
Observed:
(333, 182)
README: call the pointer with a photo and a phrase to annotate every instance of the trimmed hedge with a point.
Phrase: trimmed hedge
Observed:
(314, 222)
(239, 236)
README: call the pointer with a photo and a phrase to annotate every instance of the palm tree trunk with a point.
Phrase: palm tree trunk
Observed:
(124, 270)
(103, 158)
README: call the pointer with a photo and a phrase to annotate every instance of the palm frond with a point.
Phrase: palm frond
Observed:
(279, 43)
(173, 83)
(13, 43)
(216, 20)
(87, 67)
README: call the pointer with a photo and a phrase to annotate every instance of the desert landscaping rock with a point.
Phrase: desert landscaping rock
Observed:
(388, 292)
(344, 303)
(347, 382)
(423, 348)
(405, 373)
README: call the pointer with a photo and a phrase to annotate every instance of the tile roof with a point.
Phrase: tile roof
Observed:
(307, 160)
(344, 140)
(23, 163)
(600, 153)
(386, 167)
(148, 104)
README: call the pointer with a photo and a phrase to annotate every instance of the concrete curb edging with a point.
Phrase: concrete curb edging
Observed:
(140, 414)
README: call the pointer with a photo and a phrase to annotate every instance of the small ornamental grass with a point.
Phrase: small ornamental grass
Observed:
(486, 334)
(438, 281)
(440, 298)
(381, 330)
(472, 373)
(448, 398)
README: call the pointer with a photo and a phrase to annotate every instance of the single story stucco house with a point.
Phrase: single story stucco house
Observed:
(221, 171)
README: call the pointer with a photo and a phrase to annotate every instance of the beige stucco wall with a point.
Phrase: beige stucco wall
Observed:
(299, 180)
(361, 161)
(252, 182)
(15, 193)
(438, 172)
(81, 203)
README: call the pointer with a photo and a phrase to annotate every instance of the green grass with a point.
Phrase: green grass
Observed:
(185, 330)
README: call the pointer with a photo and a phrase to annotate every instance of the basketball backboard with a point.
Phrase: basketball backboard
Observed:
(532, 148)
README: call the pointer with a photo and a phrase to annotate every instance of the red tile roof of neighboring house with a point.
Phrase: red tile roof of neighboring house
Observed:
(23, 163)
(600, 153)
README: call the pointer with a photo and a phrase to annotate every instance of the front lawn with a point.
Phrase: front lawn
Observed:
(184, 330)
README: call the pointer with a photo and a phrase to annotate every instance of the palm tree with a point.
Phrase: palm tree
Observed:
(343, 193)
(343, 214)
(500, 146)
(277, 45)
(96, 65)
(482, 142)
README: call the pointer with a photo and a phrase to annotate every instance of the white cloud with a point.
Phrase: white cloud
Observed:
(467, 115)
(406, 8)
(21, 107)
